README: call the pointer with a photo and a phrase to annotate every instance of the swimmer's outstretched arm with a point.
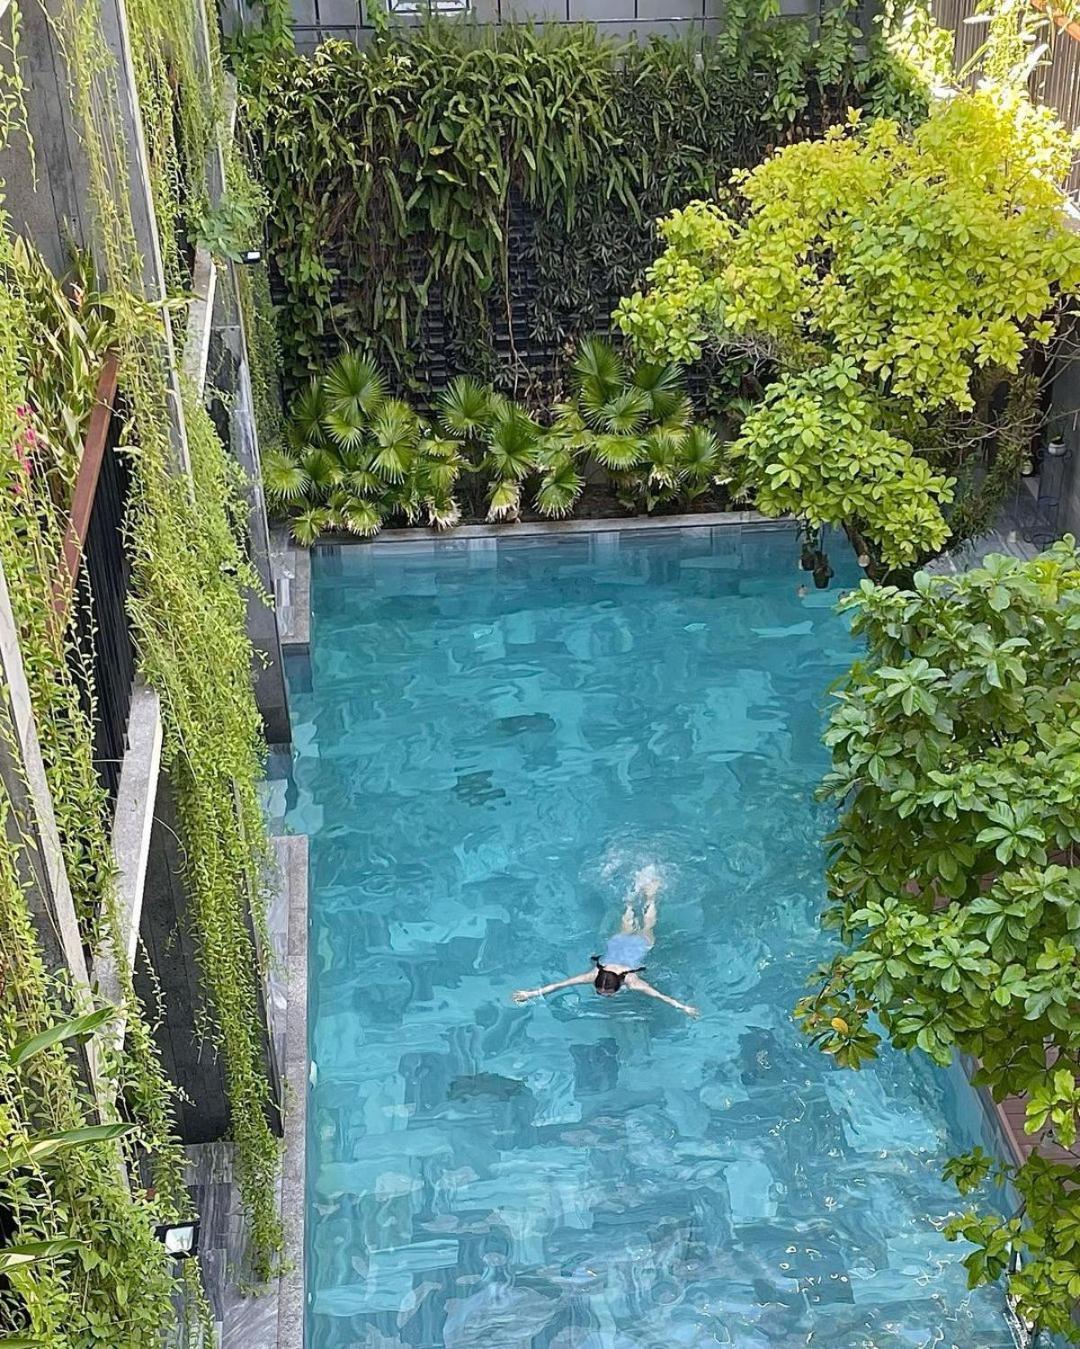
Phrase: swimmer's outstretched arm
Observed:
(639, 985)
(524, 994)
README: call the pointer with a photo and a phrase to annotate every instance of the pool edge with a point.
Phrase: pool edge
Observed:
(293, 851)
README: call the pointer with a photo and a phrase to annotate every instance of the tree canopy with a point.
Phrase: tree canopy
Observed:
(956, 763)
(877, 272)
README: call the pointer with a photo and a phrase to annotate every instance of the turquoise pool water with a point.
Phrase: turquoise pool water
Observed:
(491, 741)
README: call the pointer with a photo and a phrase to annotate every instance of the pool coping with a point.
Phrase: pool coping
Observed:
(388, 538)
(291, 563)
(292, 850)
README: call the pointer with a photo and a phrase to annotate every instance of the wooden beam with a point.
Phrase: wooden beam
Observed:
(86, 481)
(1062, 20)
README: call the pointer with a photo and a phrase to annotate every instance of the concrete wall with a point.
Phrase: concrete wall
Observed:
(317, 20)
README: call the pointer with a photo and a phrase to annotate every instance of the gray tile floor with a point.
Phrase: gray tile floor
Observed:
(270, 1318)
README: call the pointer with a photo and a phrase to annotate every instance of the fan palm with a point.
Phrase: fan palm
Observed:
(511, 447)
(345, 429)
(619, 452)
(396, 432)
(284, 477)
(560, 488)
(465, 408)
(353, 388)
(308, 410)
(701, 458)
(309, 524)
(599, 366)
(361, 517)
(505, 501)
(625, 412)
(323, 468)
(663, 384)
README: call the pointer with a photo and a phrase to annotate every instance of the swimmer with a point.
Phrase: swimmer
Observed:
(618, 967)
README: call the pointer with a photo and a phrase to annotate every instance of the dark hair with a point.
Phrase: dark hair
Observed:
(607, 981)
(610, 981)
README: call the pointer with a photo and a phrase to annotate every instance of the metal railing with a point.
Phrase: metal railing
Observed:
(94, 581)
(1055, 82)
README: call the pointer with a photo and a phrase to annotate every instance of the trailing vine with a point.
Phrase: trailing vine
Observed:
(181, 104)
(189, 575)
(264, 351)
(188, 613)
(116, 1286)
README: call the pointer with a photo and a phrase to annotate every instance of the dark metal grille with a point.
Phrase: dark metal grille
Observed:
(102, 632)
(95, 578)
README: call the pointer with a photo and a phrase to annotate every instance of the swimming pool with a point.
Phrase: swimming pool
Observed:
(494, 738)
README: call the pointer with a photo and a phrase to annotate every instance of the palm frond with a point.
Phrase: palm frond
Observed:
(284, 477)
(361, 517)
(306, 415)
(505, 502)
(678, 413)
(663, 449)
(308, 525)
(512, 445)
(395, 423)
(626, 412)
(392, 461)
(396, 432)
(323, 469)
(443, 512)
(599, 364)
(465, 407)
(700, 455)
(618, 452)
(560, 489)
(354, 388)
(363, 482)
(663, 384)
(346, 429)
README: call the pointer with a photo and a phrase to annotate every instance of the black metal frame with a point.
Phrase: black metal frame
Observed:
(105, 650)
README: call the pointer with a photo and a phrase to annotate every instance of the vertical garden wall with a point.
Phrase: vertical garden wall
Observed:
(90, 1162)
(465, 201)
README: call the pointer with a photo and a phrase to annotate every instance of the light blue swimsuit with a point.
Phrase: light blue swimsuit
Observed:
(626, 948)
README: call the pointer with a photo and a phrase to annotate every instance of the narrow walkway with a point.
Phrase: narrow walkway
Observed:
(271, 1318)
(1007, 538)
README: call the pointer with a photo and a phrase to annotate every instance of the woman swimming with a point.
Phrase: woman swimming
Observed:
(619, 966)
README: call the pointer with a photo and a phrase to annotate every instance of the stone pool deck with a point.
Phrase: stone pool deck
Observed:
(270, 1318)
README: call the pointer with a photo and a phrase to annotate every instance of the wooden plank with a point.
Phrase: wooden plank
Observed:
(86, 481)
(1062, 20)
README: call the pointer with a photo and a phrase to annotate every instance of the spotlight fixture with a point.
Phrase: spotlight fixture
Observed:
(181, 1240)
(250, 256)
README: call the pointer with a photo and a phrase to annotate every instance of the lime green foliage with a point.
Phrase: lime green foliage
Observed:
(63, 350)
(636, 422)
(112, 1287)
(956, 764)
(190, 582)
(880, 271)
(91, 1271)
(234, 224)
(395, 172)
(181, 102)
(189, 617)
(355, 457)
(115, 1286)
(264, 350)
(817, 448)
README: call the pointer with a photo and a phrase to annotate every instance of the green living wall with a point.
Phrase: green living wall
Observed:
(453, 201)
